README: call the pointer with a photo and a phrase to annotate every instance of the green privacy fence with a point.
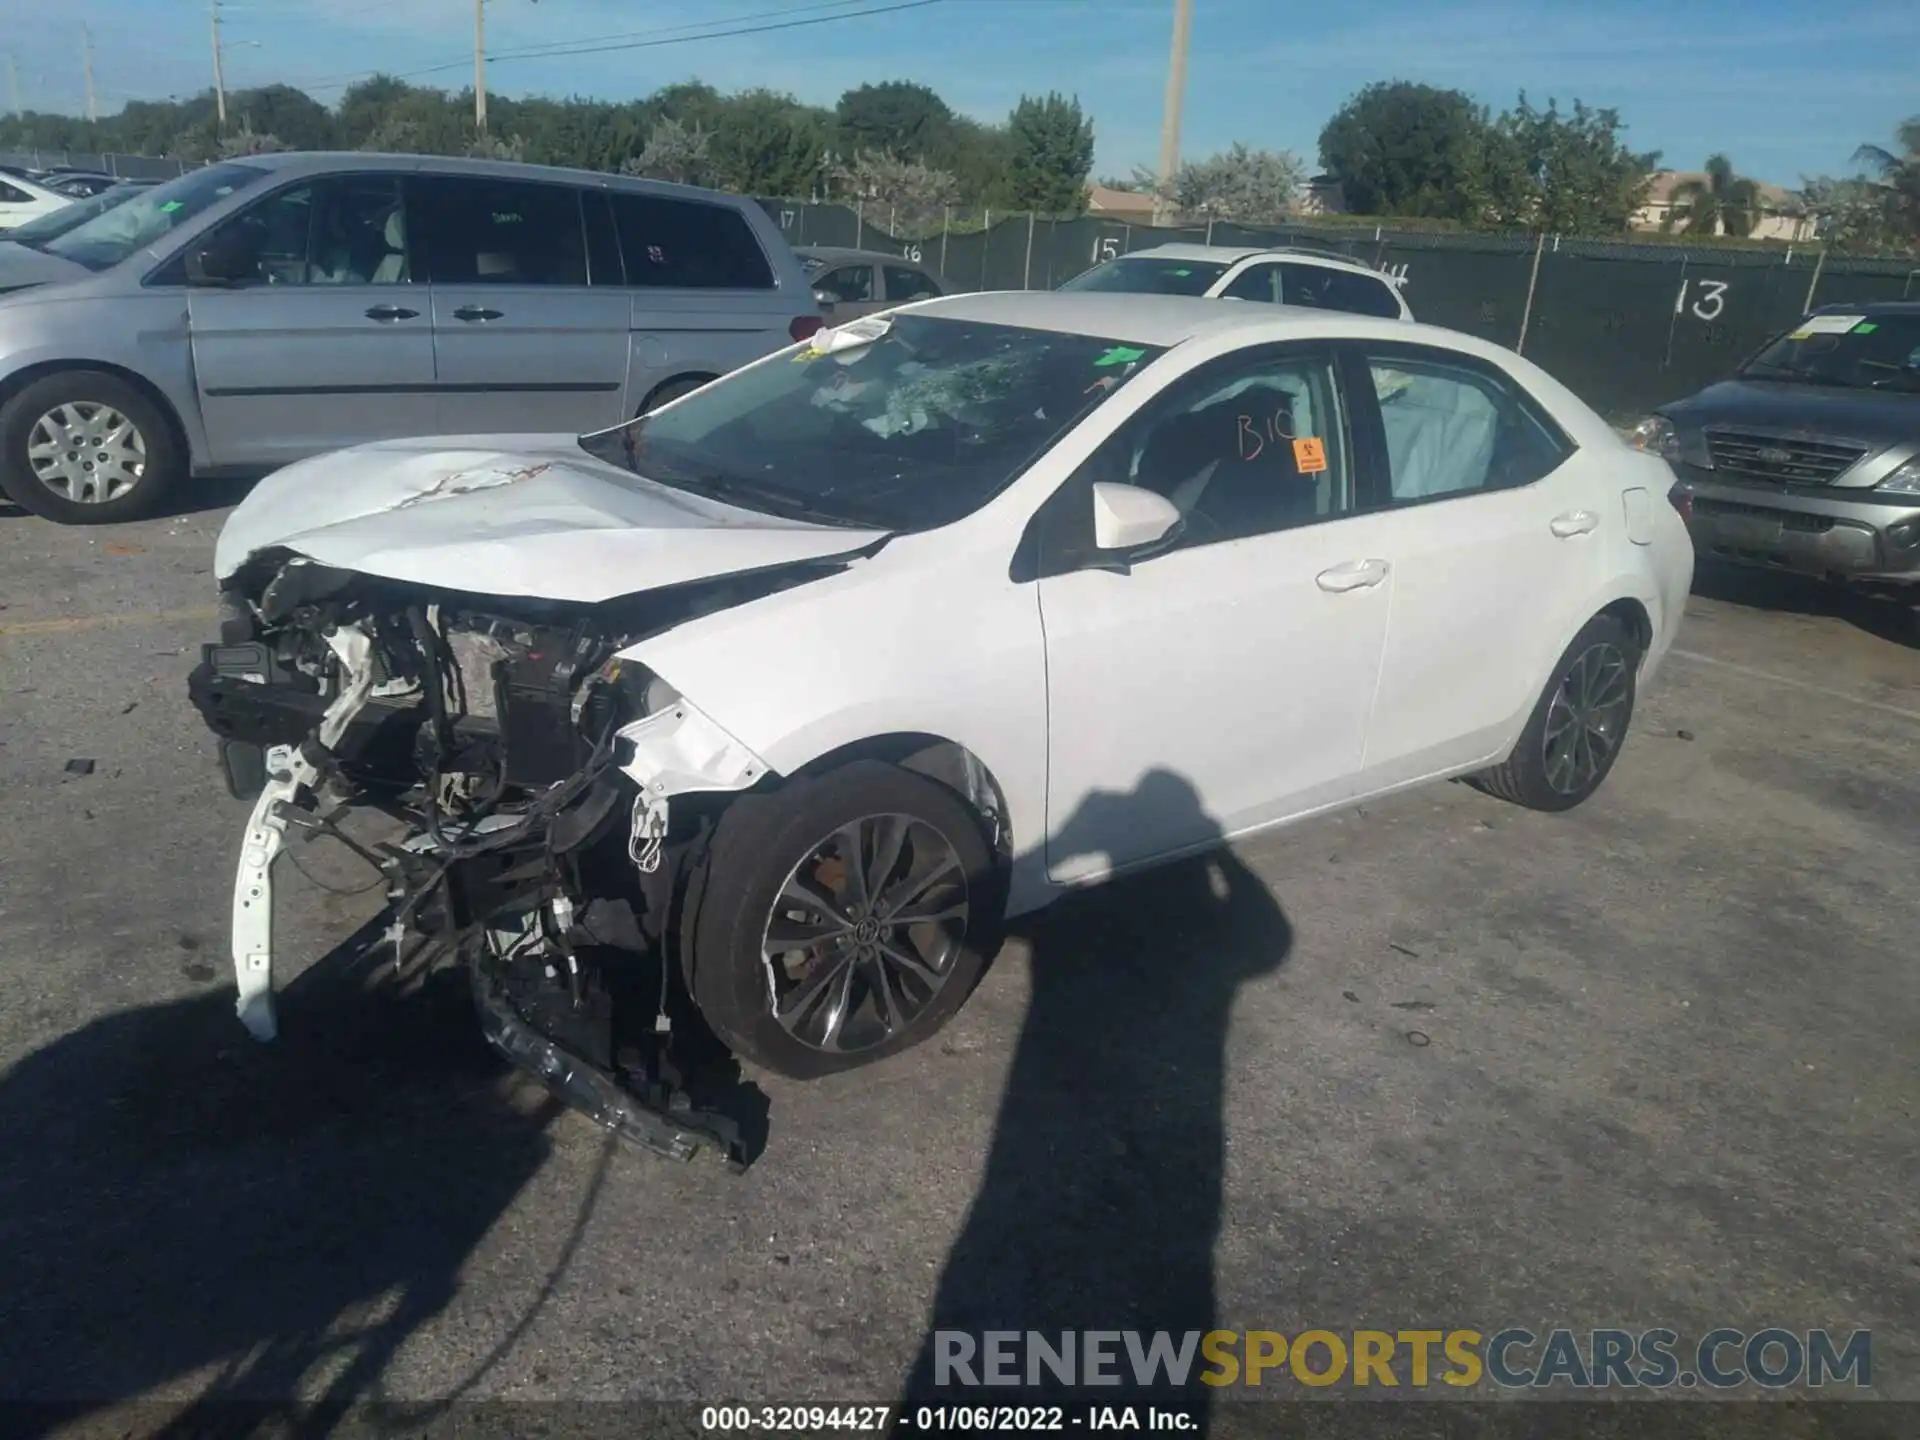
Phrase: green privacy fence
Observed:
(1625, 326)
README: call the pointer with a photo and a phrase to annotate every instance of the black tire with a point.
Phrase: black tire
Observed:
(89, 390)
(673, 390)
(1604, 658)
(762, 840)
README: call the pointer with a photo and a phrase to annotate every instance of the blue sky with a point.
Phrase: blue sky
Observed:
(1784, 86)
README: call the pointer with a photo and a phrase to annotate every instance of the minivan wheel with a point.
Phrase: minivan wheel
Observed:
(840, 919)
(673, 390)
(1576, 730)
(81, 447)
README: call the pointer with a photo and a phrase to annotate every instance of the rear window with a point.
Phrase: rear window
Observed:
(685, 245)
(1133, 275)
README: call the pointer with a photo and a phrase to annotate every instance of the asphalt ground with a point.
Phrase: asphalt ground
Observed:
(1438, 1063)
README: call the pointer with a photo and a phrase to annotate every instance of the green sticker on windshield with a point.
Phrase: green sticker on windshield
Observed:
(169, 207)
(1120, 355)
(1865, 327)
(1183, 272)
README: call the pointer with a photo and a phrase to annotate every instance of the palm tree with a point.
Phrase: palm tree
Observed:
(1722, 204)
(1897, 172)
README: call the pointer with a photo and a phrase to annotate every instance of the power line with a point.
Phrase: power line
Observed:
(604, 44)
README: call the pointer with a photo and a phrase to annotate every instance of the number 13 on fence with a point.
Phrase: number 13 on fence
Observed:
(1712, 299)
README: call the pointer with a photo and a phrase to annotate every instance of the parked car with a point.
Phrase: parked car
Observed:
(81, 184)
(22, 200)
(255, 312)
(1808, 458)
(821, 672)
(852, 283)
(1319, 280)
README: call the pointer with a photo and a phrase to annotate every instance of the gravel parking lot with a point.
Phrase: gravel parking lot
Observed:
(1440, 1062)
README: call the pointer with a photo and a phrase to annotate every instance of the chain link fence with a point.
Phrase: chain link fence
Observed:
(1626, 326)
(125, 167)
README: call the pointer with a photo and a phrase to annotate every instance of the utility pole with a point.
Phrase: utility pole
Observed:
(219, 78)
(86, 58)
(1176, 99)
(480, 67)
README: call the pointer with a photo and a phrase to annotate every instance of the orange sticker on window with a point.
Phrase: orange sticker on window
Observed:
(1310, 454)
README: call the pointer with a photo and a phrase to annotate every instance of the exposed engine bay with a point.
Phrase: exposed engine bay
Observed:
(552, 798)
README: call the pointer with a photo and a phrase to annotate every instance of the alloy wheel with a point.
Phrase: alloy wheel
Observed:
(1587, 718)
(864, 933)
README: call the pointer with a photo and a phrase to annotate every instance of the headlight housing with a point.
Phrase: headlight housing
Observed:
(1656, 435)
(1904, 481)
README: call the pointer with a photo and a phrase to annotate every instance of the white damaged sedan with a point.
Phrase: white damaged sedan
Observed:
(756, 717)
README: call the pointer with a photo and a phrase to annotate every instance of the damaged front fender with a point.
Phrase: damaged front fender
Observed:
(678, 749)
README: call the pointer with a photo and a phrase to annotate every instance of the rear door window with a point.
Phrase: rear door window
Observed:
(478, 231)
(1257, 282)
(849, 285)
(904, 284)
(1321, 287)
(687, 244)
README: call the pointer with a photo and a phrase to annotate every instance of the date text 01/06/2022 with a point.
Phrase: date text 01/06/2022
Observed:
(978, 1419)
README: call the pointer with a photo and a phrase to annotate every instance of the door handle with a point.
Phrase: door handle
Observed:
(1354, 575)
(391, 312)
(475, 312)
(1574, 522)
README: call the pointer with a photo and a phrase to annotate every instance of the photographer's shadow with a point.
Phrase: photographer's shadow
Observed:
(1102, 1193)
(180, 1201)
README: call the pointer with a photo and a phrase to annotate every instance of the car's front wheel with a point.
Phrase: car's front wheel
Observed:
(840, 919)
(1577, 727)
(82, 447)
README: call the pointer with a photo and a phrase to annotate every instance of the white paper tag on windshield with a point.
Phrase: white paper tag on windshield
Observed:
(1825, 325)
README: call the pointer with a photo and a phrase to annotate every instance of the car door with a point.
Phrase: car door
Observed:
(1495, 537)
(523, 341)
(850, 289)
(1234, 670)
(325, 341)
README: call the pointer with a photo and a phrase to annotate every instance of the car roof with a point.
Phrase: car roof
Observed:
(837, 254)
(304, 162)
(1868, 307)
(1164, 321)
(1234, 254)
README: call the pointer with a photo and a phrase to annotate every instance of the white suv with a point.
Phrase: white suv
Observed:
(1311, 278)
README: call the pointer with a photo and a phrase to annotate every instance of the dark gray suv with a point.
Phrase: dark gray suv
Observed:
(1808, 458)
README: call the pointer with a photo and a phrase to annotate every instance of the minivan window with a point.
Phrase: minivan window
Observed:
(150, 215)
(476, 231)
(344, 231)
(687, 244)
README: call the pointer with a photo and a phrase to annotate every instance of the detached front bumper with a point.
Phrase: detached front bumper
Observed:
(1820, 531)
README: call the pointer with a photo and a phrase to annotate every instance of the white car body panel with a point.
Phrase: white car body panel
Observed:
(40, 201)
(1276, 676)
(509, 515)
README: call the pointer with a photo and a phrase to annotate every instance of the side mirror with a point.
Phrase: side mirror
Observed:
(823, 299)
(1129, 520)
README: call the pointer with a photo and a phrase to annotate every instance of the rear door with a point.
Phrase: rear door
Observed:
(523, 341)
(1488, 517)
(327, 342)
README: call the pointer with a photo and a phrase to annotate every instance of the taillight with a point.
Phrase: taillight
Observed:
(805, 326)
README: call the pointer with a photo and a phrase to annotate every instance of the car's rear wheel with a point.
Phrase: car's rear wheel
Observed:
(840, 919)
(82, 447)
(673, 390)
(1576, 730)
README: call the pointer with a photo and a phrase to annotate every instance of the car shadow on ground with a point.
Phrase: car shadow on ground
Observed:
(1792, 594)
(1101, 1198)
(192, 497)
(178, 1198)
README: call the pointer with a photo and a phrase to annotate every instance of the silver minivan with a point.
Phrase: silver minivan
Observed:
(257, 311)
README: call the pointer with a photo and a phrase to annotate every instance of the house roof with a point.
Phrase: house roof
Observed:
(1106, 199)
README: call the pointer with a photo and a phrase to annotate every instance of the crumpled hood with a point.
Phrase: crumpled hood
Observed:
(526, 515)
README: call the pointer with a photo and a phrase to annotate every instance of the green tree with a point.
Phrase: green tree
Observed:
(676, 152)
(769, 144)
(1897, 173)
(896, 117)
(1052, 155)
(1399, 148)
(1563, 174)
(1725, 203)
(913, 196)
